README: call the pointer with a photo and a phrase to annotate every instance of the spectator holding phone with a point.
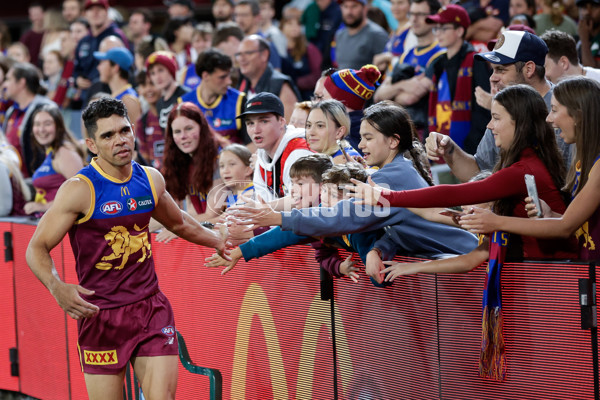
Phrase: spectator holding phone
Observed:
(575, 109)
(527, 146)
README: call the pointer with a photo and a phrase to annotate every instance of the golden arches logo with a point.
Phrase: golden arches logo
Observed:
(255, 302)
(125, 191)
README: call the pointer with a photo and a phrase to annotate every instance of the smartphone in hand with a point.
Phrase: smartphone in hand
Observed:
(348, 159)
(532, 192)
(450, 212)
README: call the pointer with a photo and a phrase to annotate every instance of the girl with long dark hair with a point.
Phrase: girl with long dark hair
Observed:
(576, 111)
(63, 157)
(527, 146)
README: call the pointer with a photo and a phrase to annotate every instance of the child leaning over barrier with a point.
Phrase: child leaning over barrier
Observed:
(307, 174)
(387, 133)
(453, 265)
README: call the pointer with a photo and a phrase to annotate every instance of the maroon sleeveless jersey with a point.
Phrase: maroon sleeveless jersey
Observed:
(111, 243)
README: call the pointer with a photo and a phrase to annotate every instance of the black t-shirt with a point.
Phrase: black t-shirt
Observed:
(164, 107)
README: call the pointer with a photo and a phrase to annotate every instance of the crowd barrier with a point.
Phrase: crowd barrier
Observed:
(265, 327)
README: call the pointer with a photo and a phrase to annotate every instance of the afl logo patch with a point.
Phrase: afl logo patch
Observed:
(111, 207)
(168, 330)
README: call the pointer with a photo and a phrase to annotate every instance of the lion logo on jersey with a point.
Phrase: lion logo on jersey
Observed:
(123, 245)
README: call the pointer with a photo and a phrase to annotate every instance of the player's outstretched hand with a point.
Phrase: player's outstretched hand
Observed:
(68, 298)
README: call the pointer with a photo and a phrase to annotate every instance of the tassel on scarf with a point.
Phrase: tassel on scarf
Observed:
(492, 359)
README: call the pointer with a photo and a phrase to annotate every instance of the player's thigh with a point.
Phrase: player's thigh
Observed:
(104, 387)
(157, 376)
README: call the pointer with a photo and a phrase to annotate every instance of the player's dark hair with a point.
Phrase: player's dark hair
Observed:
(104, 107)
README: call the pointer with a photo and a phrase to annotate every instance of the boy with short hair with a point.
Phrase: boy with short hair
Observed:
(150, 135)
(306, 181)
(162, 69)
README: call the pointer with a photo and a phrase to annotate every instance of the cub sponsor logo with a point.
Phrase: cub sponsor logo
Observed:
(112, 207)
(168, 330)
(139, 203)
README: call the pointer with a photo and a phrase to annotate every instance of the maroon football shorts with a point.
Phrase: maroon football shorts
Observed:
(112, 337)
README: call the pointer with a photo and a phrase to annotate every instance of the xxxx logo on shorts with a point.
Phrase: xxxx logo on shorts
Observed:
(107, 357)
(139, 203)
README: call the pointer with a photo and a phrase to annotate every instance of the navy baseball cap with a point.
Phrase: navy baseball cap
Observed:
(513, 46)
(263, 103)
(119, 55)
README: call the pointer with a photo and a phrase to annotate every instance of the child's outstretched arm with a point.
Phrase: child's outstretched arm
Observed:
(454, 265)
(217, 261)
(347, 268)
(329, 259)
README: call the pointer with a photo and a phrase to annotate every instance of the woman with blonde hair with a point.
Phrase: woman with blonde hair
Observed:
(327, 126)
(55, 27)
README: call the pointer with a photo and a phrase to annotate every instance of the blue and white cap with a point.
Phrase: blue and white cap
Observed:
(513, 46)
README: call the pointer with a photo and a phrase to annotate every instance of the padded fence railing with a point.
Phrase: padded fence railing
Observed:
(265, 328)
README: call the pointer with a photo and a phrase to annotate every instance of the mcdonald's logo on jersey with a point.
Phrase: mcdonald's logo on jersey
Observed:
(125, 191)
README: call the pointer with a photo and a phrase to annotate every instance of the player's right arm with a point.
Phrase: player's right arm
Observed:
(72, 200)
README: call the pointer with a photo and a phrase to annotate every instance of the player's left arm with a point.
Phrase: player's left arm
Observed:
(168, 213)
